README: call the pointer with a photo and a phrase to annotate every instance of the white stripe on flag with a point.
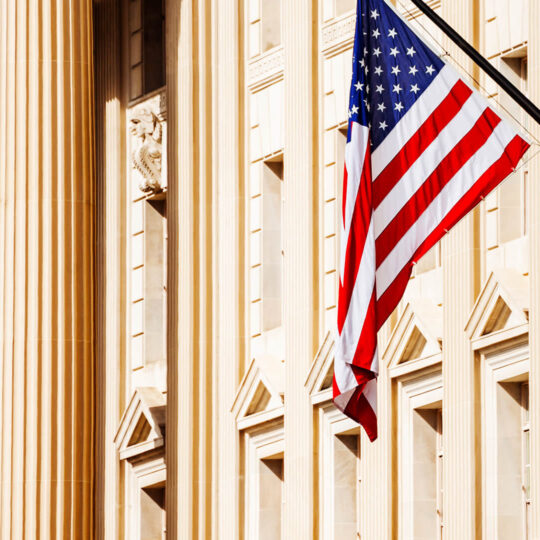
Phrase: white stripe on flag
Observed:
(449, 196)
(355, 154)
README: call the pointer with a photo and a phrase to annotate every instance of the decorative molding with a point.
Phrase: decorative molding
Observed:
(417, 335)
(502, 306)
(319, 380)
(260, 396)
(140, 430)
(266, 69)
(338, 35)
(409, 11)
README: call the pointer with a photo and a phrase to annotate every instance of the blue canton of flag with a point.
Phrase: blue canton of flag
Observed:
(391, 69)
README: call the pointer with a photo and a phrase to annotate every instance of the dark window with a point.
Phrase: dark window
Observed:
(147, 46)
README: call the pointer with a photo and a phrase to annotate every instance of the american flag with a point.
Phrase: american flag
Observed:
(423, 149)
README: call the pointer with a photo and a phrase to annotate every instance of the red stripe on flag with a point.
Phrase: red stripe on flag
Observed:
(418, 143)
(391, 297)
(367, 344)
(434, 184)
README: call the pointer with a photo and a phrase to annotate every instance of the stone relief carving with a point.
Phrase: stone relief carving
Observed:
(146, 129)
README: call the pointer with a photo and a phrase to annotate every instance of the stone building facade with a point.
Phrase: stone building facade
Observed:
(169, 200)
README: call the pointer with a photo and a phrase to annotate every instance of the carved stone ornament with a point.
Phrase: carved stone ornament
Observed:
(145, 127)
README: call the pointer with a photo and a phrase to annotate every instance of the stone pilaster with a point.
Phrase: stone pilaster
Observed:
(189, 281)
(230, 262)
(533, 228)
(460, 282)
(47, 269)
(180, 445)
(299, 187)
(111, 249)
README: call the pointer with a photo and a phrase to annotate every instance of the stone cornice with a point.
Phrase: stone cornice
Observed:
(266, 69)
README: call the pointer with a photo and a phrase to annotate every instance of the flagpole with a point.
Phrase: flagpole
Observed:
(515, 93)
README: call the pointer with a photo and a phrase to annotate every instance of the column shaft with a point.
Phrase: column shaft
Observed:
(230, 261)
(47, 281)
(189, 281)
(533, 212)
(111, 260)
(461, 268)
(180, 448)
(299, 279)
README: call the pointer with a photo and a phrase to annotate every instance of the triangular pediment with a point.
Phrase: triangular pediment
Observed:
(141, 427)
(503, 304)
(321, 373)
(418, 333)
(261, 389)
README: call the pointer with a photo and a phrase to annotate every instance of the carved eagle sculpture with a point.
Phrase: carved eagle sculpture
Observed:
(145, 127)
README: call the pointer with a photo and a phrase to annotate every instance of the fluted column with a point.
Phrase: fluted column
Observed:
(180, 444)
(299, 316)
(47, 269)
(231, 339)
(189, 281)
(533, 213)
(111, 261)
(460, 283)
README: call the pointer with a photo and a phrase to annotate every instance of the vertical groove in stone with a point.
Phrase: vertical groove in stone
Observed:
(459, 281)
(298, 320)
(46, 326)
(229, 261)
(111, 238)
(3, 252)
(183, 284)
(375, 459)
(533, 228)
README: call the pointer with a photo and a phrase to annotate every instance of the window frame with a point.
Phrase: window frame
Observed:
(261, 443)
(504, 362)
(421, 389)
(333, 423)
